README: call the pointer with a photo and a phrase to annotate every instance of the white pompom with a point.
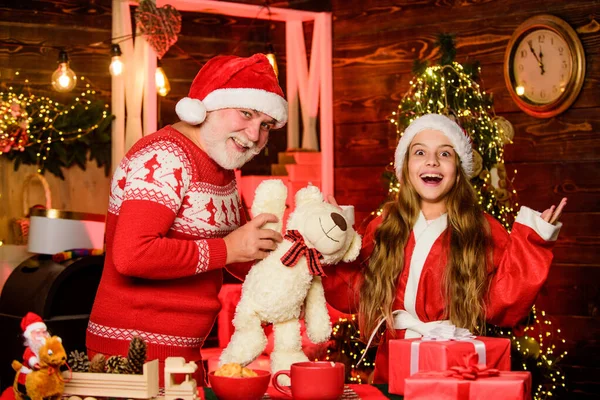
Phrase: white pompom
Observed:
(191, 111)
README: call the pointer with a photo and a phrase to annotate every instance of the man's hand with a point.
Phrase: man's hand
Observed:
(251, 242)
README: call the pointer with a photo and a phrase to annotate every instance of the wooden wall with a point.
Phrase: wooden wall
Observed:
(373, 50)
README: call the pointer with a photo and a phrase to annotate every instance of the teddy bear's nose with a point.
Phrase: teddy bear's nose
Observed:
(339, 220)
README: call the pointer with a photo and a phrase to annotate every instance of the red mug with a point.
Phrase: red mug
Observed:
(313, 380)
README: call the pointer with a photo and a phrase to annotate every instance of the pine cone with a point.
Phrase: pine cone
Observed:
(98, 363)
(117, 365)
(78, 361)
(137, 355)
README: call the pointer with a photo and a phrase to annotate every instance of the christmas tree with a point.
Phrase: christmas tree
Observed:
(452, 89)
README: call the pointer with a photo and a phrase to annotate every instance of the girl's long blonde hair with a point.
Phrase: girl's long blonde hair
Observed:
(465, 280)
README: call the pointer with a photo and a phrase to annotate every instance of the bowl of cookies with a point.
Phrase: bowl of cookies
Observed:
(234, 382)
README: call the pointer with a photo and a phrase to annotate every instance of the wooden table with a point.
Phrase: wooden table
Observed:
(353, 392)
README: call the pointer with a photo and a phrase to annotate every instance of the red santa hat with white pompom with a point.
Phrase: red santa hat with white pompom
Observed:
(30, 323)
(461, 142)
(234, 82)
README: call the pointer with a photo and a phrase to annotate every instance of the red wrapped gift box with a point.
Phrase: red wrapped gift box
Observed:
(436, 386)
(409, 356)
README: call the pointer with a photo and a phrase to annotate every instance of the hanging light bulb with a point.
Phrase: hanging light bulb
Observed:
(272, 59)
(63, 79)
(116, 65)
(162, 83)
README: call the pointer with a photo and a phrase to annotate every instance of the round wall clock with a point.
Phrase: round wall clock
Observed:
(544, 66)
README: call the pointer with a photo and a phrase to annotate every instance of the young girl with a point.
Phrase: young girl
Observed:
(435, 257)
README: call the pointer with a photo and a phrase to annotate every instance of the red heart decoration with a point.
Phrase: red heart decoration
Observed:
(160, 26)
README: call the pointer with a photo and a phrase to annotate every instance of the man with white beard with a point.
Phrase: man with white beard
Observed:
(35, 334)
(175, 220)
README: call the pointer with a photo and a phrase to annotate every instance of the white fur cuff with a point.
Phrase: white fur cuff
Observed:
(533, 219)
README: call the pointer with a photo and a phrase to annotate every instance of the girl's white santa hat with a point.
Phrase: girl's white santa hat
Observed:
(458, 138)
(234, 82)
(30, 323)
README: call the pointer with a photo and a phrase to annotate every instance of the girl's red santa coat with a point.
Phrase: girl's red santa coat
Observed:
(521, 262)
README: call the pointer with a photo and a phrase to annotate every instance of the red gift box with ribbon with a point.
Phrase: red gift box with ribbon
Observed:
(410, 356)
(471, 383)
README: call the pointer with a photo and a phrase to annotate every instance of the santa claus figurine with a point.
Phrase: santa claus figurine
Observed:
(35, 334)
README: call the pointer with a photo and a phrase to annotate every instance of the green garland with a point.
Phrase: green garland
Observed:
(35, 130)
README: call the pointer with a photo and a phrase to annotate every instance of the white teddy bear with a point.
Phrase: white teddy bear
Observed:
(318, 233)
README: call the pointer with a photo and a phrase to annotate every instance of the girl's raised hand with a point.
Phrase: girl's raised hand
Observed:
(331, 200)
(552, 214)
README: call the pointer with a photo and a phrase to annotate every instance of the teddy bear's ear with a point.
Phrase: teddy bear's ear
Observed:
(354, 248)
(308, 194)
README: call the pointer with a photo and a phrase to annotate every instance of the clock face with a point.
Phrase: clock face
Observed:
(542, 66)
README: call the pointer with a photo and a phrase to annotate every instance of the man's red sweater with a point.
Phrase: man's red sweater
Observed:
(170, 206)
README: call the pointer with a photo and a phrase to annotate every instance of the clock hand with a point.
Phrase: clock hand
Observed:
(541, 58)
(536, 57)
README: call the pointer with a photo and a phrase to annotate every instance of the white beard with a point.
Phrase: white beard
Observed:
(216, 148)
(34, 345)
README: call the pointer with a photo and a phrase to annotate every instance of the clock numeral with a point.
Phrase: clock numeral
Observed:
(552, 40)
(523, 53)
(543, 94)
(521, 67)
(564, 64)
(560, 50)
(541, 38)
(554, 89)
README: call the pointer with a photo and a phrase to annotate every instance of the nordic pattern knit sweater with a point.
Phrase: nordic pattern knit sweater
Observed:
(170, 207)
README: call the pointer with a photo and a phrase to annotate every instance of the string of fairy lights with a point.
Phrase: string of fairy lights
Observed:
(350, 347)
(31, 120)
(539, 342)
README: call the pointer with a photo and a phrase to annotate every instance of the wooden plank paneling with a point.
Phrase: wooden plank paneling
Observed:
(356, 17)
(571, 290)
(362, 187)
(96, 14)
(376, 95)
(570, 137)
(573, 136)
(482, 39)
(541, 184)
(577, 223)
(364, 144)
